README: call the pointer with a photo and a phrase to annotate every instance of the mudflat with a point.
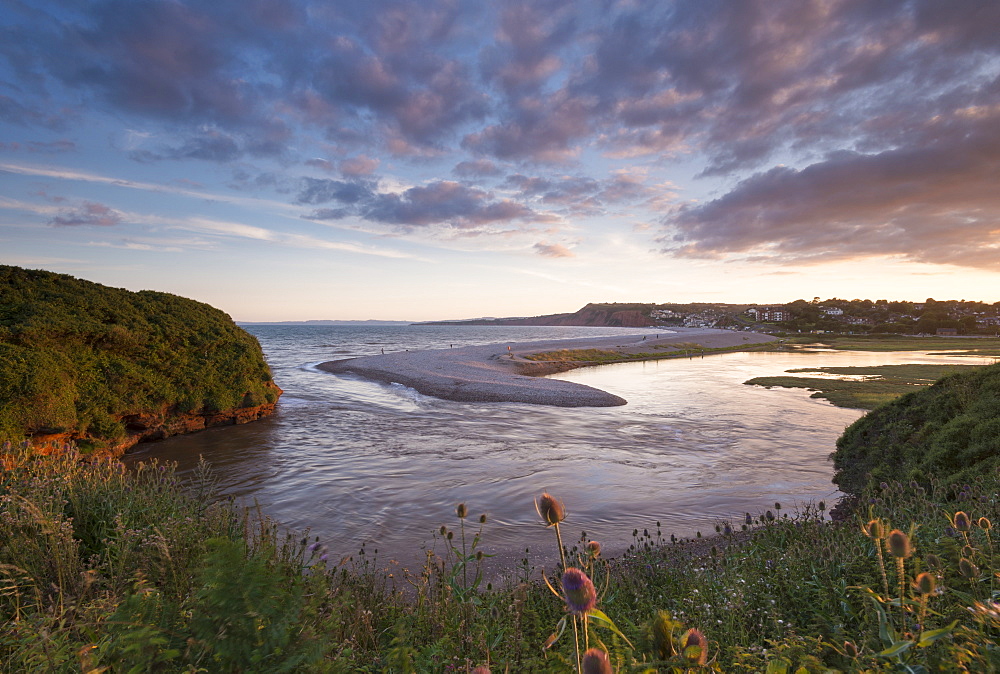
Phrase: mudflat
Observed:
(502, 373)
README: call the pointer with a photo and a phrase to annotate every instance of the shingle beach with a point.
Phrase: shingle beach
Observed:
(500, 372)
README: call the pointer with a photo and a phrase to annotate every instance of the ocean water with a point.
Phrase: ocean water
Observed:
(357, 462)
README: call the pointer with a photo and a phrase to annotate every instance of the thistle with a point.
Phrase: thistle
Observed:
(875, 530)
(695, 646)
(579, 591)
(550, 510)
(900, 548)
(595, 661)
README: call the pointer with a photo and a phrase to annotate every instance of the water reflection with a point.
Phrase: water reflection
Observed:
(356, 461)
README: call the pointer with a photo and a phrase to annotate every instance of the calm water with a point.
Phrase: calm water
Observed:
(359, 462)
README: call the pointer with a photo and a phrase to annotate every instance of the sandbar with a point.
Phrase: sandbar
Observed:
(501, 373)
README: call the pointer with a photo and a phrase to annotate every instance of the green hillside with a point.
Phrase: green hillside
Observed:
(81, 358)
(949, 431)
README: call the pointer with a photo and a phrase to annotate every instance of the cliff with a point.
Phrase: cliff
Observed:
(107, 368)
(592, 315)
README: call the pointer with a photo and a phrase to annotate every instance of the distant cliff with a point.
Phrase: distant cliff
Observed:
(592, 315)
(107, 367)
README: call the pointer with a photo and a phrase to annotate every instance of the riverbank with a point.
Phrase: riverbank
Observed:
(514, 373)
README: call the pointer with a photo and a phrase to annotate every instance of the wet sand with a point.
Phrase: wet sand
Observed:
(501, 373)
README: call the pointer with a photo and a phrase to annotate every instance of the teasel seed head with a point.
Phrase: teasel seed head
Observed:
(933, 561)
(482, 518)
(968, 551)
(693, 638)
(443, 530)
(874, 529)
(451, 535)
(850, 649)
(961, 522)
(593, 548)
(595, 661)
(985, 524)
(899, 544)
(925, 583)
(967, 568)
(579, 590)
(461, 511)
(822, 506)
(479, 555)
(550, 510)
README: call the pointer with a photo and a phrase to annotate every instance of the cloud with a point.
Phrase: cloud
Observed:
(440, 203)
(552, 250)
(478, 168)
(89, 214)
(935, 203)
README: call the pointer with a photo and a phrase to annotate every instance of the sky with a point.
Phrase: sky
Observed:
(442, 159)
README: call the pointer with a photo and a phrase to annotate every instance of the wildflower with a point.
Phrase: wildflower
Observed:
(595, 661)
(874, 529)
(695, 646)
(899, 544)
(579, 590)
(925, 583)
(550, 510)
(967, 568)
(961, 522)
(461, 511)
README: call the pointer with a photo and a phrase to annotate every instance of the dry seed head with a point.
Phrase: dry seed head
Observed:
(967, 568)
(899, 544)
(985, 524)
(451, 535)
(850, 649)
(961, 521)
(933, 561)
(443, 530)
(593, 548)
(482, 518)
(925, 583)
(461, 511)
(550, 510)
(968, 551)
(874, 529)
(693, 638)
(595, 661)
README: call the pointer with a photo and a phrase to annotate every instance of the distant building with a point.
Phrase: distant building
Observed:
(770, 315)
(832, 311)
(989, 320)
(947, 332)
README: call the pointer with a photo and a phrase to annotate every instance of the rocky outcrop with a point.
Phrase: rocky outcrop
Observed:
(155, 426)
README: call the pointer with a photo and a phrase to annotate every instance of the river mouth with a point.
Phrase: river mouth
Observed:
(358, 462)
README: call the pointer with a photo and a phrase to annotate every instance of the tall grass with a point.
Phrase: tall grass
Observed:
(107, 570)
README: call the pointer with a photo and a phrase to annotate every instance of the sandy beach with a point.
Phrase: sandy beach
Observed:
(502, 373)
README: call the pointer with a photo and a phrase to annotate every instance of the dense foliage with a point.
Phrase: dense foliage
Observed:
(950, 430)
(108, 570)
(77, 357)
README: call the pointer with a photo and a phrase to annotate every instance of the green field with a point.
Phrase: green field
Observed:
(876, 384)
(971, 346)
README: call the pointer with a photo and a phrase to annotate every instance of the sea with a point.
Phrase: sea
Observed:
(358, 464)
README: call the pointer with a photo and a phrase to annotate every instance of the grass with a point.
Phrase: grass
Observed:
(102, 568)
(879, 384)
(978, 346)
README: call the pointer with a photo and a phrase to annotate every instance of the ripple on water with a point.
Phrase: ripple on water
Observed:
(357, 461)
